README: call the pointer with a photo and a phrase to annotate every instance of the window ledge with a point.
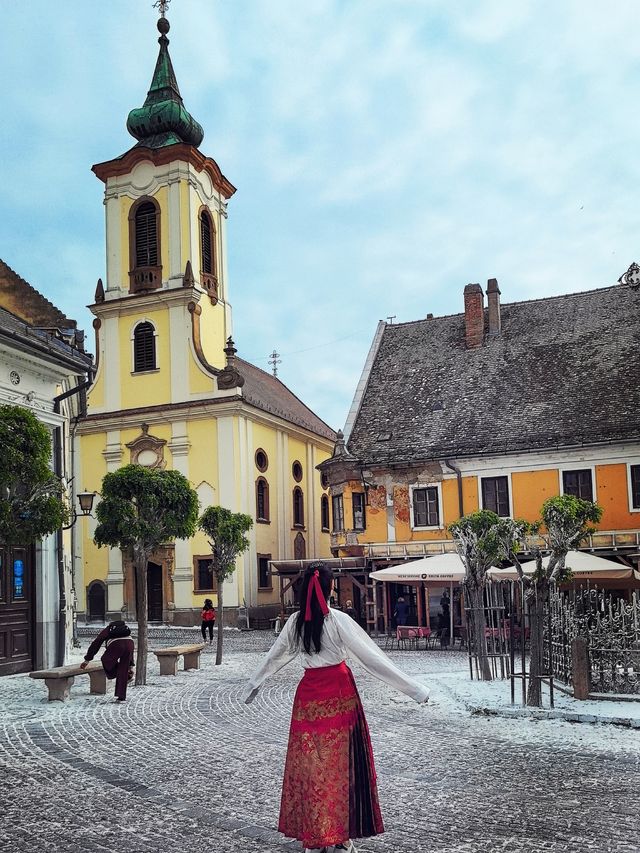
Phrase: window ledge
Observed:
(205, 591)
(435, 527)
(326, 529)
(265, 588)
(263, 521)
(299, 527)
(145, 372)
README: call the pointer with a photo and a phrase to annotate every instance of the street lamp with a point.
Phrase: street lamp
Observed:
(85, 499)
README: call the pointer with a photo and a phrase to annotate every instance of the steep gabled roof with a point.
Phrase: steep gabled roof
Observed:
(267, 392)
(23, 300)
(563, 371)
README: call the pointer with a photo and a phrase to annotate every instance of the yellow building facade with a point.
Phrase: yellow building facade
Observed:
(171, 392)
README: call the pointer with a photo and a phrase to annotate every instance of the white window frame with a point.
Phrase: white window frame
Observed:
(629, 490)
(578, 467)
(437, 486)
(139, 322)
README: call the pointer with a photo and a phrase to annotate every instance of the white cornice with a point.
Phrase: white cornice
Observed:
(214, 410)
(140, 302)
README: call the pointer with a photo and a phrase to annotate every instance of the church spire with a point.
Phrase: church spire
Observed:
(163, 120)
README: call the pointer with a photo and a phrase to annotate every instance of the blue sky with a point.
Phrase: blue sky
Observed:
(386, 153)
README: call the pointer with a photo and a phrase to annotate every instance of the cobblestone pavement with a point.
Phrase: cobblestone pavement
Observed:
(183, 766)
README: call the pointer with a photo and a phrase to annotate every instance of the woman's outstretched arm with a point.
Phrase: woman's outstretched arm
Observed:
(280, 654)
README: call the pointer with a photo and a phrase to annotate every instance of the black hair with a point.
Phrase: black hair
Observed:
(208, 604)
(308, 631)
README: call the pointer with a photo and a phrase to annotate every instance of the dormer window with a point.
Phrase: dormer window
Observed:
(144, 236)
(144, 348)
(208, 254)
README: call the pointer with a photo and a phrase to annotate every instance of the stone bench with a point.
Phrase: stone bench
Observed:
(168, 658)
(60, 678)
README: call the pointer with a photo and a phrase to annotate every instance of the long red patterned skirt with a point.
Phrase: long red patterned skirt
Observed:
(329, 792)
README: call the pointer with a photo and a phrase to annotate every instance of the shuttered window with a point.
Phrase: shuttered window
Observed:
(144, 348)
(495, 495)
(357, 500)
(426, 512)
(338, 513)
(206, 243)
(146, 236)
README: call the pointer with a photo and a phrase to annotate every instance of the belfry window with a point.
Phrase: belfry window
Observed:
(144, 348)
(207, 244)
(146, 235)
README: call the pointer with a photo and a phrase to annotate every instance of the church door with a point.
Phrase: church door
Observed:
(154, 592)
(16, 610)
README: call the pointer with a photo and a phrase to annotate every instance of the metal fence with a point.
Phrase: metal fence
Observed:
(610, 626)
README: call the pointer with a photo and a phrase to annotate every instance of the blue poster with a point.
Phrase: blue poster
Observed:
(18, 579)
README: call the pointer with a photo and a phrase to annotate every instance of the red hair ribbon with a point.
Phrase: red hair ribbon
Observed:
(314, 584)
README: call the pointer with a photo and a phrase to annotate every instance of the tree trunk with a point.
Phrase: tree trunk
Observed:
(479, 625)
(220, 623)
(140, 559)
(536, 663)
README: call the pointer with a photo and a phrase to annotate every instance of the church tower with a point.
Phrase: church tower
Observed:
(170, 390)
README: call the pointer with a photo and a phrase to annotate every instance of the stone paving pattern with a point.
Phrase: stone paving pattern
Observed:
(183, 766)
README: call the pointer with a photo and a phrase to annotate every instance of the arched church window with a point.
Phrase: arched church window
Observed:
(144, 237)
(144, 347)
(298, 507)
(207, 243)
(208, 276)
(262, 499)
(324, 512)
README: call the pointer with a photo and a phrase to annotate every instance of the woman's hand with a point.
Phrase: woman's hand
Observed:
(84, 664)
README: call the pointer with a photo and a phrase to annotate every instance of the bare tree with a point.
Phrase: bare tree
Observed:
(566, 522)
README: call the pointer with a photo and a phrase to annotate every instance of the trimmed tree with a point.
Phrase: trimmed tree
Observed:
(226, 532)
(566, 522)
(31, 495)
(141, 509)
(482, 540)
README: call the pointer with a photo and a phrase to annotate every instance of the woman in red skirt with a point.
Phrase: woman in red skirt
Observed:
(329, 792)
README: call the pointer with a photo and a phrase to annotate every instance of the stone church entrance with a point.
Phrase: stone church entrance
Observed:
(17, 593)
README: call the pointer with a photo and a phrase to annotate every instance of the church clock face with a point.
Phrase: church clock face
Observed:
(14, 376)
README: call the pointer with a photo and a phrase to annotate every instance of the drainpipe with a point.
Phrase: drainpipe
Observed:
(58, 470)
(458, 474)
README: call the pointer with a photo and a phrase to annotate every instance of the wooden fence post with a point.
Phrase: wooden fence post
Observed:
(580, 667)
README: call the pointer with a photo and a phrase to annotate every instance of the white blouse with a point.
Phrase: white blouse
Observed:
(342, 637)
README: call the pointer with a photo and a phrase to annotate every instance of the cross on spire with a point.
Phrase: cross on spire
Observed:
(162, 6)
(275, 360)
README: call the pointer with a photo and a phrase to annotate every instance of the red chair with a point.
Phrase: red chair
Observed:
(405, 635)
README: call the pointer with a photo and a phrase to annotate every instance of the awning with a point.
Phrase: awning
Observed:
(443, 568)
(294, 567)
(583, 564)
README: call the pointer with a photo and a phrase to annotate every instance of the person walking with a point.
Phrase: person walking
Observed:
(350, 610)
(117, 660)
(402, 611)
(208, 620)
(329, 791)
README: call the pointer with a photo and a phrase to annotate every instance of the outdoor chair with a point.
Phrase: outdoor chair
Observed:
(407, 636)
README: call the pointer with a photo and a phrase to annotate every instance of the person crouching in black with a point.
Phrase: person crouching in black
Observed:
(117, 660)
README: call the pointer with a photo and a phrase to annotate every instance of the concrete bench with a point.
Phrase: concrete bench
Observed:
(60, 678)
(168, 658)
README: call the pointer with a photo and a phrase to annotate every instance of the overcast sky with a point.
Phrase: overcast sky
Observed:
(386, 153)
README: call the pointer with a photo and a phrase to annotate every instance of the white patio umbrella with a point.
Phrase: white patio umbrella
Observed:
(583, 564)
(442, 568)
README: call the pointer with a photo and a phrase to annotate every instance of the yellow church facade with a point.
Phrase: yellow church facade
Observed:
(170, 390)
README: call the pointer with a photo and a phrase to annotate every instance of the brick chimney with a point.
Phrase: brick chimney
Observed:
(493, 299)
(474, 315)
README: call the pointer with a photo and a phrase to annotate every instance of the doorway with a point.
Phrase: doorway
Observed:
(96, 600)
(154, 592)
(17, 591)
